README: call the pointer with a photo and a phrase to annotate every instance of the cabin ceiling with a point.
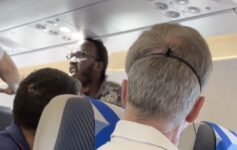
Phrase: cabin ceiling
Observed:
(32, 25)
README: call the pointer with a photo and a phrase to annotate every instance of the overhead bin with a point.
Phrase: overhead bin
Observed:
(38, 26)
(21, 12)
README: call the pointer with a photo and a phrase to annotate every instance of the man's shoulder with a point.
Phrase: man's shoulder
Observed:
(112, 84)
(110, 87)
(4, 136)
(110, 92)
(6, 142)
(112, 146)
(135, 136)
(121, 144)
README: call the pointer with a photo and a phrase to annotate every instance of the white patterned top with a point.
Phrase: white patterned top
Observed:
(110, 92)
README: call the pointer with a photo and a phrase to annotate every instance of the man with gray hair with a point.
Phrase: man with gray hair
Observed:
(168, 67)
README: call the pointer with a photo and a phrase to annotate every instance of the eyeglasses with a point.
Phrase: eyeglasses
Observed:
(80, 55)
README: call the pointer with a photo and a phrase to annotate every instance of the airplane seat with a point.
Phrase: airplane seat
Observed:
(207, 136)
(5, 117)
(197, 136)
(73, 123)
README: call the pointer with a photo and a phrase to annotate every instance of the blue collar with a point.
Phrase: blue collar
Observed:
(18, 137)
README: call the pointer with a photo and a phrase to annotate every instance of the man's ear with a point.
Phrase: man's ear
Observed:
(195, 110)
(124, 92)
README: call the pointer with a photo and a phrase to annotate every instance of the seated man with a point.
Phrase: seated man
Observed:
(88, 65)
(34, 93)
(168, 67)
(8, 73)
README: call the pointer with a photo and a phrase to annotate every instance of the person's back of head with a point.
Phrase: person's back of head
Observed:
(35, 92)
(168, 66)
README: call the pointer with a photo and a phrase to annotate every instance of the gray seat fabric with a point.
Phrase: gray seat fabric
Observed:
(5, 117)
(205, 138)
(198, 136)
(67, 123)
(71, 122)
(77, 123)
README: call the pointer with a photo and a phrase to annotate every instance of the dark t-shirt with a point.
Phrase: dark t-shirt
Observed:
(13, 139)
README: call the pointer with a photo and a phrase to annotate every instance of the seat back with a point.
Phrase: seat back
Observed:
(198, 136)
(67, 122)
(5, 117)
(106, 117)
(207, 136)
(75, 123)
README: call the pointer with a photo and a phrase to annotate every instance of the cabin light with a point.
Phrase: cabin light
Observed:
(193, 10)
(65, 30)
(160, 6)
(40, 26)
(80, 42)
(172, 14)
(182, 2)
(77, 36)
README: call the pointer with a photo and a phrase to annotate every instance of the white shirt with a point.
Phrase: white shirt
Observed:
(134, 136)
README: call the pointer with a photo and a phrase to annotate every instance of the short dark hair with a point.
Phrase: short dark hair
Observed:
(35, 92)
(102, 54)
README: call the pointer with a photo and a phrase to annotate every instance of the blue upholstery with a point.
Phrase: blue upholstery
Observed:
(77, 126)
(72, 122)
(5, 117)
(103, 134)
(207, 136)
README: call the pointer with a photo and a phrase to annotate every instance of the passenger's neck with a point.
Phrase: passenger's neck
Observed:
(92, 88)
(29, 136)
(172, 133)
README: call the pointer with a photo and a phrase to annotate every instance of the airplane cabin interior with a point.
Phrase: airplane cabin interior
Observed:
(40, 33)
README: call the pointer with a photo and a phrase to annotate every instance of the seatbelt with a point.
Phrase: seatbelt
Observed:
(110, 116)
